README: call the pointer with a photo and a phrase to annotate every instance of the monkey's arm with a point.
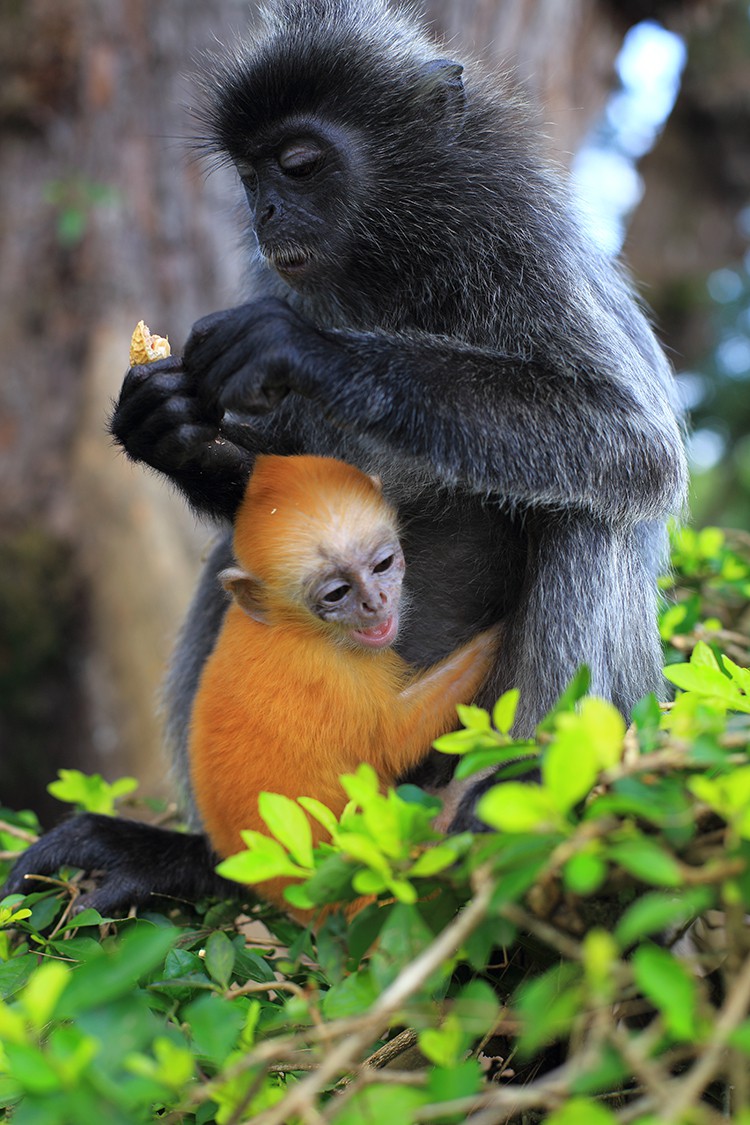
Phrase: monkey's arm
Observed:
(138, 860)
(530, 431)
(429, 702)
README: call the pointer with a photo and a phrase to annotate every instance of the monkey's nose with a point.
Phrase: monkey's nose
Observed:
(371, 606)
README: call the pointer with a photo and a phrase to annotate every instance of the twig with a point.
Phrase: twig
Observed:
(542, 930)
(685, 1091)
(268, 986)
(347, 1051)
(19, 833)
(392, 1049)
(635, 1053)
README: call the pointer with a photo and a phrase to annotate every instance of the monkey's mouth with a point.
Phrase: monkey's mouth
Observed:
(289, 261)
(378, 636)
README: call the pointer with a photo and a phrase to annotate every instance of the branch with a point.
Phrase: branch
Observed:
(347, 1052)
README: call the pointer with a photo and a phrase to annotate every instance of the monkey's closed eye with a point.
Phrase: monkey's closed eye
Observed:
(383, 565)
(300, 158)
(337, 594)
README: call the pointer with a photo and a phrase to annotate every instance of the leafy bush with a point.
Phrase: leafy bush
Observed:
(584, 961)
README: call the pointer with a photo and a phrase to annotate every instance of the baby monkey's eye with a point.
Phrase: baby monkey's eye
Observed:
(383, 565)
(336, 594)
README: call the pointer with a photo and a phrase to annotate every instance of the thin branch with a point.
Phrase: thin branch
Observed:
(685, 1091)
(346, 1053)
(19, 833)
(542, 930)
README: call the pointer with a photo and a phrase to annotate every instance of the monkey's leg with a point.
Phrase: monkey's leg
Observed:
(138, 861)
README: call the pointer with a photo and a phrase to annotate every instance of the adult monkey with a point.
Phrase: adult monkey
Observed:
(431, 311)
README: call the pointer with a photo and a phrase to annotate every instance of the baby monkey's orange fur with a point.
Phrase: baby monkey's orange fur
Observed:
(291, 699)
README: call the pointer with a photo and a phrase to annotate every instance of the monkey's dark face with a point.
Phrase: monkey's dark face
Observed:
(295, 178)
(359, 593)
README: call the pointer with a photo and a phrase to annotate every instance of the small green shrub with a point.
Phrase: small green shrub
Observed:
(585, 961)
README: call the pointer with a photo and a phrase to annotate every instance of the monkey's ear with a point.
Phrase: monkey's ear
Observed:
(445, 91)
(376, 481)
(246, 590)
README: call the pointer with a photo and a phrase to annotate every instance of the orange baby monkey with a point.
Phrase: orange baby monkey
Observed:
(303, 684)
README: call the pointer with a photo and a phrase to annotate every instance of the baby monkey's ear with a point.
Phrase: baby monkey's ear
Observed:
(247, 591)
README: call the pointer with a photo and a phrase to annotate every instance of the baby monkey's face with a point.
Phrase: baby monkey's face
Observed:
(358, 590)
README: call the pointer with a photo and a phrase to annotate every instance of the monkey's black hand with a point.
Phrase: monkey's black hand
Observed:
(138, 861)
(246, 360)
(158, 419)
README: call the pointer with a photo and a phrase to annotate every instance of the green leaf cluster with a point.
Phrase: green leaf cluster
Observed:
(582, 961)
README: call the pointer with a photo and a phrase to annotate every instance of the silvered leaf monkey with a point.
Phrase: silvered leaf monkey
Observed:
(426, 306)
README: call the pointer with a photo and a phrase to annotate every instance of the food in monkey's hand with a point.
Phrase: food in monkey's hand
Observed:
(147, 348)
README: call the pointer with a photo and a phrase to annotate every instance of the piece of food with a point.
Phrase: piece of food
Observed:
(145, 348)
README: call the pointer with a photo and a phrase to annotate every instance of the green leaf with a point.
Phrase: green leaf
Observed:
(476, 1008)
(710, 542)
(473, 718)
(475, 760)
(574, 692)
(516, 806)
(353, 996)
(365, 851)
(706, 681)
(10, 1092)
(443, 1045)
(116, 970)
(215, 1025)
(362, 785)
(15, 973)
(728, 795)
(569, 769)
(289, 824)
(31, 1069)
(393, 1104)
(599, 956)
(654, 912)
(504, 711)
(40, 996)
(703, 656)
(664, 981)
(740, 1037)
(581, 1111)
(433, 860)
(219, 958)
(458, 1081)
(403, 937)
(647, 860)
(264, 859)
(463, 740)
(90, 791)
(548, 1006)
(584, 873)
(321, 813)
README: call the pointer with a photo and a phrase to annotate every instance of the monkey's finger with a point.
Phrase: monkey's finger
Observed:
(141, 396)
(112, 898)
(168, 432)
(179, 447)
(139, 372)
(236, 401)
